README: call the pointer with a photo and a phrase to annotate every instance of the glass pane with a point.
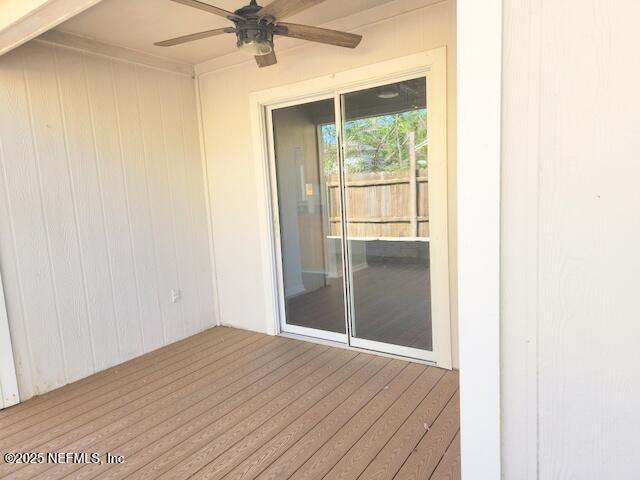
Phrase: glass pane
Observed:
(386, 174)
(309, 212)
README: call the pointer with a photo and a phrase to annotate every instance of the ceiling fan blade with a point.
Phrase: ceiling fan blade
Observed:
(266, 60)
(194, 36)
(280, 9)
(321, 35)
(210, 8)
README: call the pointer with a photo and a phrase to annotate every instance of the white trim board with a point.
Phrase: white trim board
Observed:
(345, 346)
(37, 18)
(208, 201)
(431, 64)
(8, 380)
(88, 45)
(479, 164)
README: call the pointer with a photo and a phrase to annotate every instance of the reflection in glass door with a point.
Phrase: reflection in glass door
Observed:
(352, 215)
(306, 167)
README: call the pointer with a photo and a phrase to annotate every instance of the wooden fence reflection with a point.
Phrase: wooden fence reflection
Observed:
(382, 204)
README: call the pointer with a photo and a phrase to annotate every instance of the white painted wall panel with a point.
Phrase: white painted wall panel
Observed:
(102, 212)
(9, 394)
(571, 231)
(396, 29)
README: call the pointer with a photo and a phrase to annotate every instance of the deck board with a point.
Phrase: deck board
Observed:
(161, 432)
(45, 421)
(449, 466)
(424, 459)
(214, 420)
(382, 389)
(105, 409)
(215, 439)
(123, 373)
(231, 404)
(366, 447)
(249, 451)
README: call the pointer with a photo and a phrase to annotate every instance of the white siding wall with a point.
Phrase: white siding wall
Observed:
(102, 212)
(228, 138)
(9, 394)
(571, 236)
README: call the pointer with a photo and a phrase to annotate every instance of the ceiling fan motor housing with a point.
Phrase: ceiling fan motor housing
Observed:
(256, 32)
(253, 29)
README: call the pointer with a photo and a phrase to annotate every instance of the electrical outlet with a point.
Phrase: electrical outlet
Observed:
(176, 295)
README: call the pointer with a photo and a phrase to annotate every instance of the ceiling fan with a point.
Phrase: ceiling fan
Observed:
(255, 27)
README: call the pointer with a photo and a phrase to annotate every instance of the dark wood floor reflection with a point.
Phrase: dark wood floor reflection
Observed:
(392, 305)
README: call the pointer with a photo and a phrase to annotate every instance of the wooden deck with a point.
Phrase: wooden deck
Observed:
(231, 404)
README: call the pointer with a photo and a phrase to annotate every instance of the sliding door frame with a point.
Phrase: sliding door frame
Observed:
(283, 326)
(430, 64)
(437, 98)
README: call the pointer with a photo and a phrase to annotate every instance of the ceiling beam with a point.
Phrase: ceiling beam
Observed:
(22, 20)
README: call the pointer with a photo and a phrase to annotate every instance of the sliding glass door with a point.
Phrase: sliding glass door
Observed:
(351, 194)
(305, 146)
(385, 153)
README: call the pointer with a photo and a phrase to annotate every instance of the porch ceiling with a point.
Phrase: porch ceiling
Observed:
(137, 25)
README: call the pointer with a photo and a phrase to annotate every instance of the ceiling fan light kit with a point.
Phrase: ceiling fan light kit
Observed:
(254, 36)
(256, 26)
(255, 42)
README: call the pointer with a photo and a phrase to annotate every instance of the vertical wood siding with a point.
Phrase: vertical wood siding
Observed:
(570, 237)
(102, 212)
